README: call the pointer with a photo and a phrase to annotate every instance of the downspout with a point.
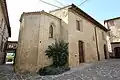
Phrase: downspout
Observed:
(60, 38)
(97, 44)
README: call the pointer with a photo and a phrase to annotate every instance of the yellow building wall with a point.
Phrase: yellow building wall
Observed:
(34, 39)
(87, 36)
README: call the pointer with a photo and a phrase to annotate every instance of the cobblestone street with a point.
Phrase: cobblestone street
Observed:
(103, 70)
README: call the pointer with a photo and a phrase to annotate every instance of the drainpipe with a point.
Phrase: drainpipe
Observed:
(60, 36)
(97, 44)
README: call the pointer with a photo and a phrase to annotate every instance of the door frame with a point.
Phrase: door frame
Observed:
(105, 51)
(116, 53)
(81, 45)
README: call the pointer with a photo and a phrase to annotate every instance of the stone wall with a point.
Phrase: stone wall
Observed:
(34, 40)
(101, 42)
(87, 36)
(114, 30)
(44, 40)
(3, 36)
(27, 51)
(114, 34)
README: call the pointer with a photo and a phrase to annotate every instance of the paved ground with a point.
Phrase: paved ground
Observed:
(103, 70)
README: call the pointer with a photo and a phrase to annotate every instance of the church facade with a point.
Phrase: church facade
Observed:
(86, 37)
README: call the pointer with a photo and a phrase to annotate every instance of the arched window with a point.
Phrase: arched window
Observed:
(51, 31)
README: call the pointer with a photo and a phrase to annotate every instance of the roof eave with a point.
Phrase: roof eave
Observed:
(40, 12)
(111, 19)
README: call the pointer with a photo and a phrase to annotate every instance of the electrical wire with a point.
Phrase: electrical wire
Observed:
(59, 3)
(49, 3)
(83, 2)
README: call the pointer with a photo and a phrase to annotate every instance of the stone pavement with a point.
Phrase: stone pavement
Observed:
(103, 70)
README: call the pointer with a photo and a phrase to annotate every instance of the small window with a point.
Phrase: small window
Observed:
(103, 36)
(51, 31)
(111, 23)
(79, 25)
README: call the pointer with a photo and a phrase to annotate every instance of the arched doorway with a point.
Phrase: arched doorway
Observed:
(117, 52)
(105, 51)
(81, 51)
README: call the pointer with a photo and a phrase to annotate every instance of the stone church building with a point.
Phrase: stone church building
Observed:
(86, 37)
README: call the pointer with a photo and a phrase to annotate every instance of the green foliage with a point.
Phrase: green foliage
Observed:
(51, 70)
(58, 51)
(10, 58)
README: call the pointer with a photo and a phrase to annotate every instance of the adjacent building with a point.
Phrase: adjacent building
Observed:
(114, 33)
(86, 37)
(5, 30)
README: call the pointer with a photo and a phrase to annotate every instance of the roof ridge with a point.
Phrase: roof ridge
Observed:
(112, 19)
(37, 12)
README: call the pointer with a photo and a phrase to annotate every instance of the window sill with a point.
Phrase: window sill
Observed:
(79, 31)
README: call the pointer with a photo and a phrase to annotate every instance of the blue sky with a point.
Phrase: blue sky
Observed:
(102, 9)
(98, 9)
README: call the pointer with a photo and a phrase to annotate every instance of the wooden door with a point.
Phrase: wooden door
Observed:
(117, 52)
(81, 51)
(105, 51)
